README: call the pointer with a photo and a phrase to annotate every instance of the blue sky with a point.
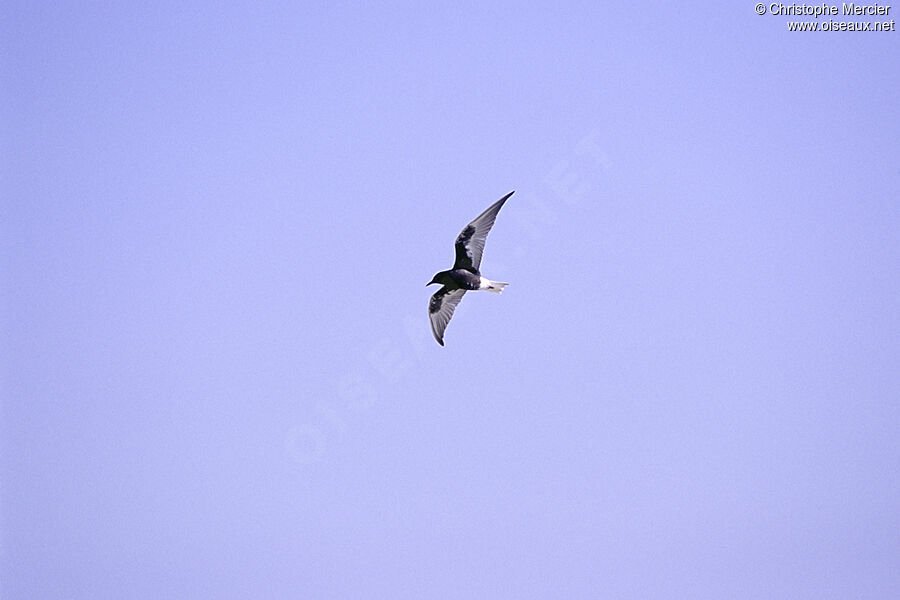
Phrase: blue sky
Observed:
(218, 375)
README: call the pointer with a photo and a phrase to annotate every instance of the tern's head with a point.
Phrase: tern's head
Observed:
(438, 278)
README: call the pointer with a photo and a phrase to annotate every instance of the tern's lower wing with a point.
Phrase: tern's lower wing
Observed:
(440, 310)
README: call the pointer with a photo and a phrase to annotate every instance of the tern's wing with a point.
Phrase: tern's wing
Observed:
(470, 243)
(440, 310)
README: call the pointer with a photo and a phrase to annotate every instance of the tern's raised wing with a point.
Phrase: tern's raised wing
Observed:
(470, 242)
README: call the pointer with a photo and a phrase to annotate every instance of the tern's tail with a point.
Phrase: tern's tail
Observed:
(495, 286)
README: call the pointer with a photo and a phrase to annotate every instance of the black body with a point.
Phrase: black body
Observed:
(459, 279)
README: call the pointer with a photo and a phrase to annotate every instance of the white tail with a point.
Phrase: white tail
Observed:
(495, 286)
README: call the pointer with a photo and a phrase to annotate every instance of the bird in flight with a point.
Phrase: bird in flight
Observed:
(464, 276)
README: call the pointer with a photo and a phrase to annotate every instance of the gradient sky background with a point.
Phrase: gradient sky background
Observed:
(218, 376)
